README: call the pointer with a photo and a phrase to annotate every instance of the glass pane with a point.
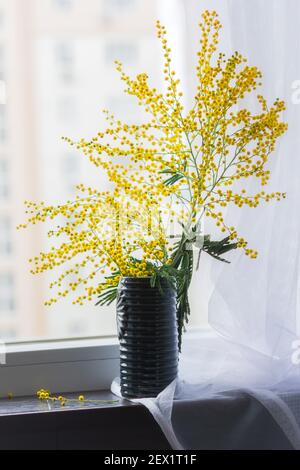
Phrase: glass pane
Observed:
(56, 74)
(63, 4)
(5, 236)
(4, 183)
(119, 7)
(7, 297)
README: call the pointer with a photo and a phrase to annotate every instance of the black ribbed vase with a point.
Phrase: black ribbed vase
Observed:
(148, 336)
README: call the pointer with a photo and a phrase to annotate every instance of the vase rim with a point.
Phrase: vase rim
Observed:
(136, 277)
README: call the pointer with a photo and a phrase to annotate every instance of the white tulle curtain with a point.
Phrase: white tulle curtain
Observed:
(256, 303)
(252, 305)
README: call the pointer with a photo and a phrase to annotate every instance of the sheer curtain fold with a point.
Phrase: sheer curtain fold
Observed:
(261, 299)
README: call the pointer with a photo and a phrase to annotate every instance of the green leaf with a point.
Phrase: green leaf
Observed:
(218, 248)
(175, 176)
(108, 296)
(170, 181)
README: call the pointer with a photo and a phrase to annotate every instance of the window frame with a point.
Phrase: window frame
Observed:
(70, 365)
(66, 366)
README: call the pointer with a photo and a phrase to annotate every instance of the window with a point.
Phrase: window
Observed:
(9, 333)
(5, 236)
(3, 123)
(122, 106)
(127, 53)
(4, 187)
(7, 300)
(117, 7)
(2, 92)
(64, 53)
(2, 62)
(67, 53)
(70, 172)
(63, 4)
(67, 109)
(2, 18)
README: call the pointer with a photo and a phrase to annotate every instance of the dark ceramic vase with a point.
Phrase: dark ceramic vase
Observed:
(148, 336)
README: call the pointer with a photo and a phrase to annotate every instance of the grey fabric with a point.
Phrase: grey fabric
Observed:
(233, 422)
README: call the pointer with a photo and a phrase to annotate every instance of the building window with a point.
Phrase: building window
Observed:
(67, 110)
(65, 59)
(70, 171)
(4, 188)
(117, 7)
(2, 62)
(2, 92)
(63, 4)
(5, 236)
(2, 18)
(3, 123)
(127, 53)
(120, 106)
(9, 334)
(7, 301)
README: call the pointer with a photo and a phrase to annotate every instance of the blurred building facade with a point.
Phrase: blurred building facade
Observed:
(56, 74)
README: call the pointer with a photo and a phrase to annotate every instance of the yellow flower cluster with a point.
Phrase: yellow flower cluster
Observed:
(105, 233)
(181, 164)
(45, 395)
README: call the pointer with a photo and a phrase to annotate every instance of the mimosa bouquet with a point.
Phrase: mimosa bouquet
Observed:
(166, 175)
